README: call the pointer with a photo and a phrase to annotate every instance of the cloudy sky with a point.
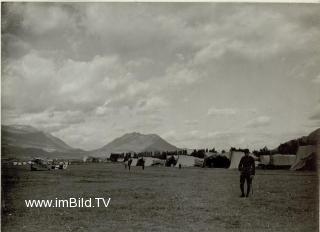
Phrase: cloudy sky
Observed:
(197, 74)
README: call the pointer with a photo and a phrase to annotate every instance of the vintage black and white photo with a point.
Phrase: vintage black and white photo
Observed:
(154, 116)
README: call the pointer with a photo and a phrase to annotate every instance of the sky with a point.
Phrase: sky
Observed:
(197, 74)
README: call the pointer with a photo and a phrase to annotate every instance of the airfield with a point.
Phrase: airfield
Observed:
(160, 199)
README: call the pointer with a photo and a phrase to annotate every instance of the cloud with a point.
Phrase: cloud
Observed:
(317, 79)
(191, 122)
(221, 111)
(153, 105)
(315, 116)
(214, 50)
(178, 74)
(97, 69)
(53, 19)
(50, 120)
(260, 121)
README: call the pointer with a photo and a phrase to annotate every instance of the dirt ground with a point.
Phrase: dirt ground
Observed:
(160, 199)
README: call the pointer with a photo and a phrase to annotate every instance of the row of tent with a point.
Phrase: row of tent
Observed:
(37, 164)
(305, 159)
(180, 161)
(15, 163)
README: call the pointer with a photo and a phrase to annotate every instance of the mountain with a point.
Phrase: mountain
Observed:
(136, 142)
(29, 137)
(314, 137)
(291, 147)
(22, 141)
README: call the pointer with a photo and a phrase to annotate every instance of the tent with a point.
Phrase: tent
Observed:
(265, 160)
(158, 162)
(198, 162)
(216, 161)
(281, 160)
(305, 154)
(149, 161)
(171, 161)
(186, 161)
(235, 158)
(134, 162)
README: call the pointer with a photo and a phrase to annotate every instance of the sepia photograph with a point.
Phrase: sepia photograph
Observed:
(160, 116)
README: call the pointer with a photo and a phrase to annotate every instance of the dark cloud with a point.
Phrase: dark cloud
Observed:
(77, 69)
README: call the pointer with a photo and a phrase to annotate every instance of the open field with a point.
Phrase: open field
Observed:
(160, 199)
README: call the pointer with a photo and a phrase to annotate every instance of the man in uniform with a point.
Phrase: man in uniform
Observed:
(247, 169)
(129, 163)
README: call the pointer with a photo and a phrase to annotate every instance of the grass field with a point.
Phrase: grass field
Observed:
(160, 199)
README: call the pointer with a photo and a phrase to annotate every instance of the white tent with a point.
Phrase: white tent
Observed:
(186, 161)
(265, 159)
(198, 162)
(303, 155)
(235, 158)
(282, 160)
(149, 161)
(158, 162)
(134, 162)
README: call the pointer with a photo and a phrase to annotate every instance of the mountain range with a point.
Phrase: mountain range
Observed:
(29, 137)
(24, 142)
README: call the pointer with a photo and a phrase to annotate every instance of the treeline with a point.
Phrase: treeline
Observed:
(160, 155)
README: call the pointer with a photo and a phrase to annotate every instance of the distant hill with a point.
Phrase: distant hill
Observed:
(22, 141)
(136, 142)
(292, 146)
(314, 137)
(29, 137)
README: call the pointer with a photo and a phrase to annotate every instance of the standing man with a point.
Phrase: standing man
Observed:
(129, 163)
(247, 169)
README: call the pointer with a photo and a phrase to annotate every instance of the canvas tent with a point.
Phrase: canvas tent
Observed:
(265, 160)
(186, 161)
(235, 158)
(149, 161)
(305, 154)
(281, 160)
(158, 162)
(134, 162)
(198, 162)
(217, 161)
